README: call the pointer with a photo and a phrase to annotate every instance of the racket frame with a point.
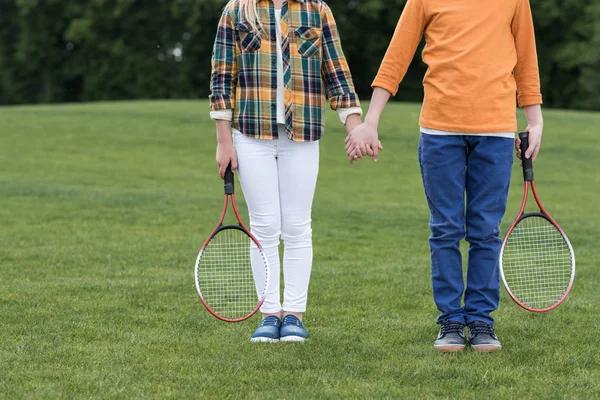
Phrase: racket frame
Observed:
(229, 194)
(528, 178)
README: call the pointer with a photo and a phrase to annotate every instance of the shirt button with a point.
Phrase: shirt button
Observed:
(274, 85)
(274, 60)
(273, 106)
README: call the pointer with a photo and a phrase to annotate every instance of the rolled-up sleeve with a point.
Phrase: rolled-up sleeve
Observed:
(223, 80)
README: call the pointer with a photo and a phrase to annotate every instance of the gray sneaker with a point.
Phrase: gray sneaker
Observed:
(451, 337)
(482, 337)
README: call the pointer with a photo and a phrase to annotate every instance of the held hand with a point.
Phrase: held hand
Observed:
(225, 155)
(535, 140)
(352, 122)
(363, 141)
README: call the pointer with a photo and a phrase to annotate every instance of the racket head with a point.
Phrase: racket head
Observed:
(232, 274)
(537, 263)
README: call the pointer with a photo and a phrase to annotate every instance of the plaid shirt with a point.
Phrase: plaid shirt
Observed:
(244, 69)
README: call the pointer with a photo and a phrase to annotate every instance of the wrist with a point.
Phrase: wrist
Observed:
(372, 120)
(353, 119)
(533, 114)
(537, 125)
(224, 139)
(352, 122)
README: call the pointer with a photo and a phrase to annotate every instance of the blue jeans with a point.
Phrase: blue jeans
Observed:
(480, 168)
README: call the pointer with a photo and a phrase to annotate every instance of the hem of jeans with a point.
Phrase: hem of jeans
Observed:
(478, 319)
(453, 320)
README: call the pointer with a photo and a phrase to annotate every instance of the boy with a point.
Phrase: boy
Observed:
(480, 54)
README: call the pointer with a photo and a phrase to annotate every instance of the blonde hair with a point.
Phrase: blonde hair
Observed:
(249, 12)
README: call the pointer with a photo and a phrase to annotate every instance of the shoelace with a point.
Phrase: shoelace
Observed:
(480, 327)
(290, 319)
(452, 327)
(270, 321)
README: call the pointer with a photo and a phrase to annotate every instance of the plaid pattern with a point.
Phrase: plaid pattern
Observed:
(244, 69)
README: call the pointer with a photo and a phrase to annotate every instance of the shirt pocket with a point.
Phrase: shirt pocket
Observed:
(249, 40)
(309, 41)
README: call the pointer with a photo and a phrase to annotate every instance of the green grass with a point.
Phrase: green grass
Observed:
(103, 208)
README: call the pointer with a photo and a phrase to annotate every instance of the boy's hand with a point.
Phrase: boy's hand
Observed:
(535, 141)
(535, 128)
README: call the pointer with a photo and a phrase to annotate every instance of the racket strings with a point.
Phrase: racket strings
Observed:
(226, 276)
(537, 263)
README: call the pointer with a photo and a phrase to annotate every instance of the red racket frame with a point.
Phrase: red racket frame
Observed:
(530, 182)
(229, 194)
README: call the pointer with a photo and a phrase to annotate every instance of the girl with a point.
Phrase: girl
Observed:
(273, 62)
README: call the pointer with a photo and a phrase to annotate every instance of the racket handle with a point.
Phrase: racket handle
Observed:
(527, 162)
(229, 187)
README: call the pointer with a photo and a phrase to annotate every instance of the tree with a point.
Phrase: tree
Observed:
(85, 50)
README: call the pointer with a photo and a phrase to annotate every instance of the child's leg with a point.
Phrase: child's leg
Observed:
(298, 165)
(258, 177)
(489, 166)
(443, 160)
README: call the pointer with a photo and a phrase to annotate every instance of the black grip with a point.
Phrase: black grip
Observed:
(229, 187)
(527, 162)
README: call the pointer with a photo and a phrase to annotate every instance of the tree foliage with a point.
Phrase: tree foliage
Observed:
(66, 51)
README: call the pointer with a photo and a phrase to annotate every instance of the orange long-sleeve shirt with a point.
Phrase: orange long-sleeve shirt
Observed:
(479, 55)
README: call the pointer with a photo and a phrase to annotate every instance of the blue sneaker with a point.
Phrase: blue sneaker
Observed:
(292, 330)
(482, 337)
(267, 331)
(451, 337)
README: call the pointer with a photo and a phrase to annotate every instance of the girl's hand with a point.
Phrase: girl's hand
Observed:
(225, 151)
(352, 122)
(363, 141)
(225, 155)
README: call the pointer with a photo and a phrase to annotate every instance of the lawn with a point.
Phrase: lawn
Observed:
(103, 208)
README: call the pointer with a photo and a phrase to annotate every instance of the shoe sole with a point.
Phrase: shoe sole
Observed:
(263, 340)
(290, 339)
(450, 348)
(483, 348)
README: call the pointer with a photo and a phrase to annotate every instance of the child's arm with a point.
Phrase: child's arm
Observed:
(225, 151)
(223, 81)
(336, 74)
(409, 31)
(402, 48)
(527, 76)
(223, 85)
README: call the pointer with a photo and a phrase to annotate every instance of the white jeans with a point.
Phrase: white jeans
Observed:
(278, 178)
